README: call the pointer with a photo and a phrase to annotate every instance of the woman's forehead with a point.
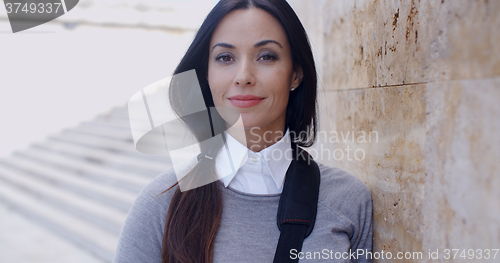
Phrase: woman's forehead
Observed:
(248, 27)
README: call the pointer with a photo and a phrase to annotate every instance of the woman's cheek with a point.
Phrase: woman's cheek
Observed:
(218, 97)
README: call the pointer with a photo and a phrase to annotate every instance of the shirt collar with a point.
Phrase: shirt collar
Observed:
(277, 157)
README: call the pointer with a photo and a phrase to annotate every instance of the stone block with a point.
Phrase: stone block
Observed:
(423, 75)
(462, 201)
(380, 43)
(373, 43)
(387, 152)
(459, 39)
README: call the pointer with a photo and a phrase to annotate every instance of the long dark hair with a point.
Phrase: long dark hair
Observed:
(194, 215)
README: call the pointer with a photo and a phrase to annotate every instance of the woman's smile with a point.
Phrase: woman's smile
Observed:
(245, 101)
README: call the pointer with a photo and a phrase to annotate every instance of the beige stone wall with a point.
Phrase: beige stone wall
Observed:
(424, 76)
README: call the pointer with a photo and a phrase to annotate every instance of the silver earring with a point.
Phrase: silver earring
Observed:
(293, 89)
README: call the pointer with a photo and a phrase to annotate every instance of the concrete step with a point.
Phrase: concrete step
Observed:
(113, 121)
(103, 131)
(109, 159)
(106, 144)
(110, 132)
(115, 198)
(25, 241)
(87, 236)
(81, 183)
(100, 215)
(103, 143)
(119, 112)
(127, 180)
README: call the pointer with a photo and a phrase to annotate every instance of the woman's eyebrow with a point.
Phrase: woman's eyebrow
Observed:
(226, 45)
(258, 44)
(264, 42)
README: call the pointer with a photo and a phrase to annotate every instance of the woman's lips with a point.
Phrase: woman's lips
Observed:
(245, 101)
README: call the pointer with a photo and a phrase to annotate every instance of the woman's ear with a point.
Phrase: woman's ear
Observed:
(297, 77)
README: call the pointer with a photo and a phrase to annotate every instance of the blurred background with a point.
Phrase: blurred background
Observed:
(68, 168)
(421, 75)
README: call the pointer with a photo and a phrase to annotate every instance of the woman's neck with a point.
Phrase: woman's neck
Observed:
(256, 139)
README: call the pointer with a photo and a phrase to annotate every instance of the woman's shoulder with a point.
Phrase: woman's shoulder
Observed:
(337, 177)
(345, 199)
(142, 232)
(153, 195)
(340, 190)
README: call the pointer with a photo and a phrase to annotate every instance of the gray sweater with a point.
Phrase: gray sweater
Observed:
(248, 230)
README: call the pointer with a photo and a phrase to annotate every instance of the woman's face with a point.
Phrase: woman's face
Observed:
(250, 68)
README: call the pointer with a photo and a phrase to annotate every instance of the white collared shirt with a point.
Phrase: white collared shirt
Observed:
(259, 172)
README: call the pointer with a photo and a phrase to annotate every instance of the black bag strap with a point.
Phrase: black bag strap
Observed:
(298, 204)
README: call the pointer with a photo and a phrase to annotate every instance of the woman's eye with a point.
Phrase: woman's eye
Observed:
(224, 58)
(268, 57)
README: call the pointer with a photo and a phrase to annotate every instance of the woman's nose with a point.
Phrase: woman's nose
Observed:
(245, 74)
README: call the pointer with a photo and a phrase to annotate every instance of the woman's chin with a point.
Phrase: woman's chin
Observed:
(240, 126)
(249, 124)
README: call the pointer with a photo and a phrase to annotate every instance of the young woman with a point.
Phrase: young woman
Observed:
(252, 56)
